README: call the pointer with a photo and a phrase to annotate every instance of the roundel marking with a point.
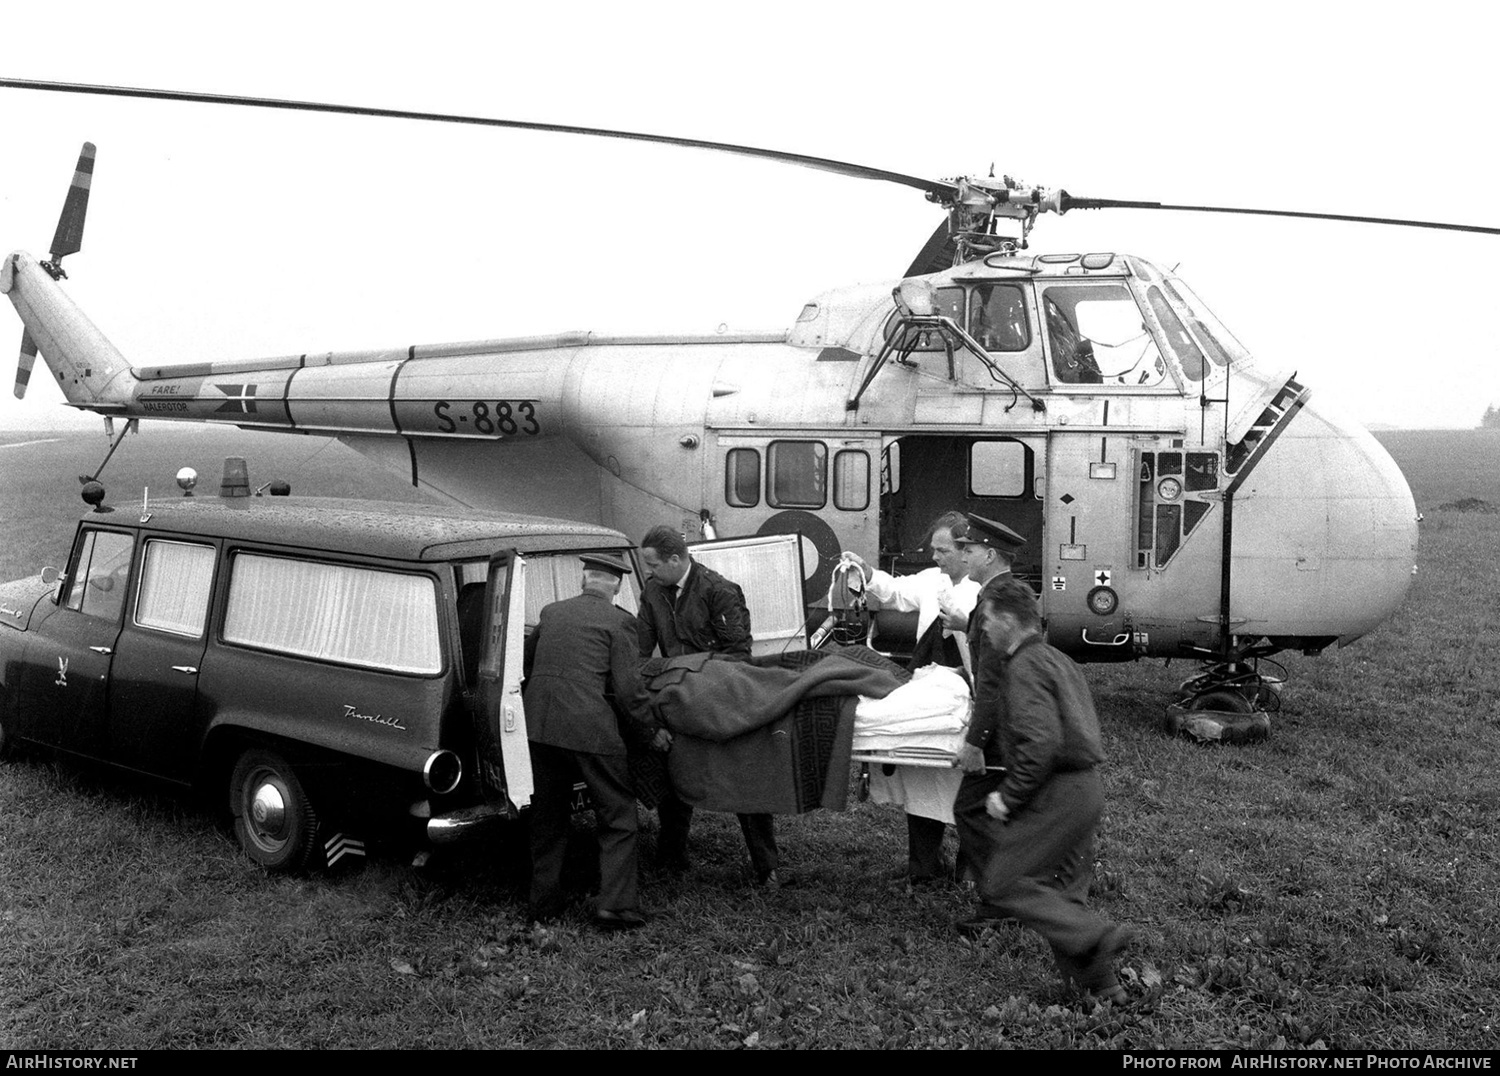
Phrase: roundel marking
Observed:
(820, 549)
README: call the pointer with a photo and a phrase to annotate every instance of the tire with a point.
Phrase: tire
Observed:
(1223, 700)
(5, 744)
(273, 818)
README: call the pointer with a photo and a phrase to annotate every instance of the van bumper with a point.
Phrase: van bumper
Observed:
(462, 824)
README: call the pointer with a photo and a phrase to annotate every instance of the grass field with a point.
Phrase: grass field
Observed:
(1332, 887)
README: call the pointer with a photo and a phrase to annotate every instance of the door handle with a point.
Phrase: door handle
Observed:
(101, 650)
(191, 670)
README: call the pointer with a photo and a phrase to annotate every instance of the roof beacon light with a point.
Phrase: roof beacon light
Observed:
(236, 482)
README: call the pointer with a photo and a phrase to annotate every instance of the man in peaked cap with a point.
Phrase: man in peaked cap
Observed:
(583, 648)
(987, 548)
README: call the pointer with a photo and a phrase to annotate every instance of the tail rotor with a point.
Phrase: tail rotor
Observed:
(27, 360)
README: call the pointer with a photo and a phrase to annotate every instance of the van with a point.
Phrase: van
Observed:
(325, 668)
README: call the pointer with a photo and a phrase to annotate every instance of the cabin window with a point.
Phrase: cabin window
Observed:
(798, 475)
(742, 477)
(1098, 335)
(997, 318)
(1170, 502)
(851, 480)
(100, 573)
(1188, 354)
(176, 579)
(334, 612)
(997, 469)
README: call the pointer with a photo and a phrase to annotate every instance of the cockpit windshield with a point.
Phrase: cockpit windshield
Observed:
(1218, 343)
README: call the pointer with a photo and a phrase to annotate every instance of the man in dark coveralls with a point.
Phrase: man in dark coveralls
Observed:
(688, 608)
(1036, 819)
(583, 648)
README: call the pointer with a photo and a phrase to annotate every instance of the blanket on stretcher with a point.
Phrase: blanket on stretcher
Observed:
(769, 736)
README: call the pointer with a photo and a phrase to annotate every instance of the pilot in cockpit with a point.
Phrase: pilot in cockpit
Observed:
(1072, 352)
(999, 318)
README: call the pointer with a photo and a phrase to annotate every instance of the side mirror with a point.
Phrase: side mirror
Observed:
(50, 575)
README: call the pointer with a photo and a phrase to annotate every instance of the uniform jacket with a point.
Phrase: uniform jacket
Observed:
(1049, 725)
(989, 684)
(710, 617)
(583, 648)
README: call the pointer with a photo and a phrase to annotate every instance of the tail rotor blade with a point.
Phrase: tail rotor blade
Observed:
(23, 366)
(69, 237)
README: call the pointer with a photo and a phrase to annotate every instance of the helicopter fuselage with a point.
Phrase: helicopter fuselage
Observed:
(1173, 495)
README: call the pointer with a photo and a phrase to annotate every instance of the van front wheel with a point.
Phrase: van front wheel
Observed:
(273, 818)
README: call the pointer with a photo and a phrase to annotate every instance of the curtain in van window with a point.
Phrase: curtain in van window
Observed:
(553, 577)
(174, 587)
(334, 612)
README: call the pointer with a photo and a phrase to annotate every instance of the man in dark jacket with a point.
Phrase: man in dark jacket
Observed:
(987, 549)
(688, 608)
(584, 648)
(1039, 815)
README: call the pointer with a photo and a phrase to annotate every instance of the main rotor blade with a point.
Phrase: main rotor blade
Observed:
(936, 254)
(1070, 202)
(822, 164)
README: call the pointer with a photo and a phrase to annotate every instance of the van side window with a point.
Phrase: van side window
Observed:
(334, 612)
(100, 574)
(176, 579)
(552, 577)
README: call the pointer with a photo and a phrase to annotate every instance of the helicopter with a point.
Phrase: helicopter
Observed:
(1177, 497)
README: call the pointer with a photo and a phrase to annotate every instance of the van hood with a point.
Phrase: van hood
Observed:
(19, 598)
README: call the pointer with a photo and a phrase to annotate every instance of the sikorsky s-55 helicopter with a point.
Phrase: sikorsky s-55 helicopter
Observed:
(1178, 497)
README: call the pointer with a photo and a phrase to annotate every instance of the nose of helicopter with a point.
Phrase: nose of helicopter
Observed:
(1325, 533)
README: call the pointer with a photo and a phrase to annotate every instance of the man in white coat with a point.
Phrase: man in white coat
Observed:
(943, 596)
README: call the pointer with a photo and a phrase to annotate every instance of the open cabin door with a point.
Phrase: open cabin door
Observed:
(768, 569)
(504, 754)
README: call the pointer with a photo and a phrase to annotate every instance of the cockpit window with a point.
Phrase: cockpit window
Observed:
(1218, 342)
(1097, 335)
(997, 318)
(1188, 353)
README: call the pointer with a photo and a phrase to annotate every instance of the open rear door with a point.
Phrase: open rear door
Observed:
(768, 569)
(504, 755)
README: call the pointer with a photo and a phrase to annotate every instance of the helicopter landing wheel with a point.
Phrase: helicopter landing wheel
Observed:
(1221, 700)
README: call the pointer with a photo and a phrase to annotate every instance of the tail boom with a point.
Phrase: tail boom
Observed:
(92, 374)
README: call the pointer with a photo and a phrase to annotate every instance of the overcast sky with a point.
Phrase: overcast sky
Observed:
(226, 233)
